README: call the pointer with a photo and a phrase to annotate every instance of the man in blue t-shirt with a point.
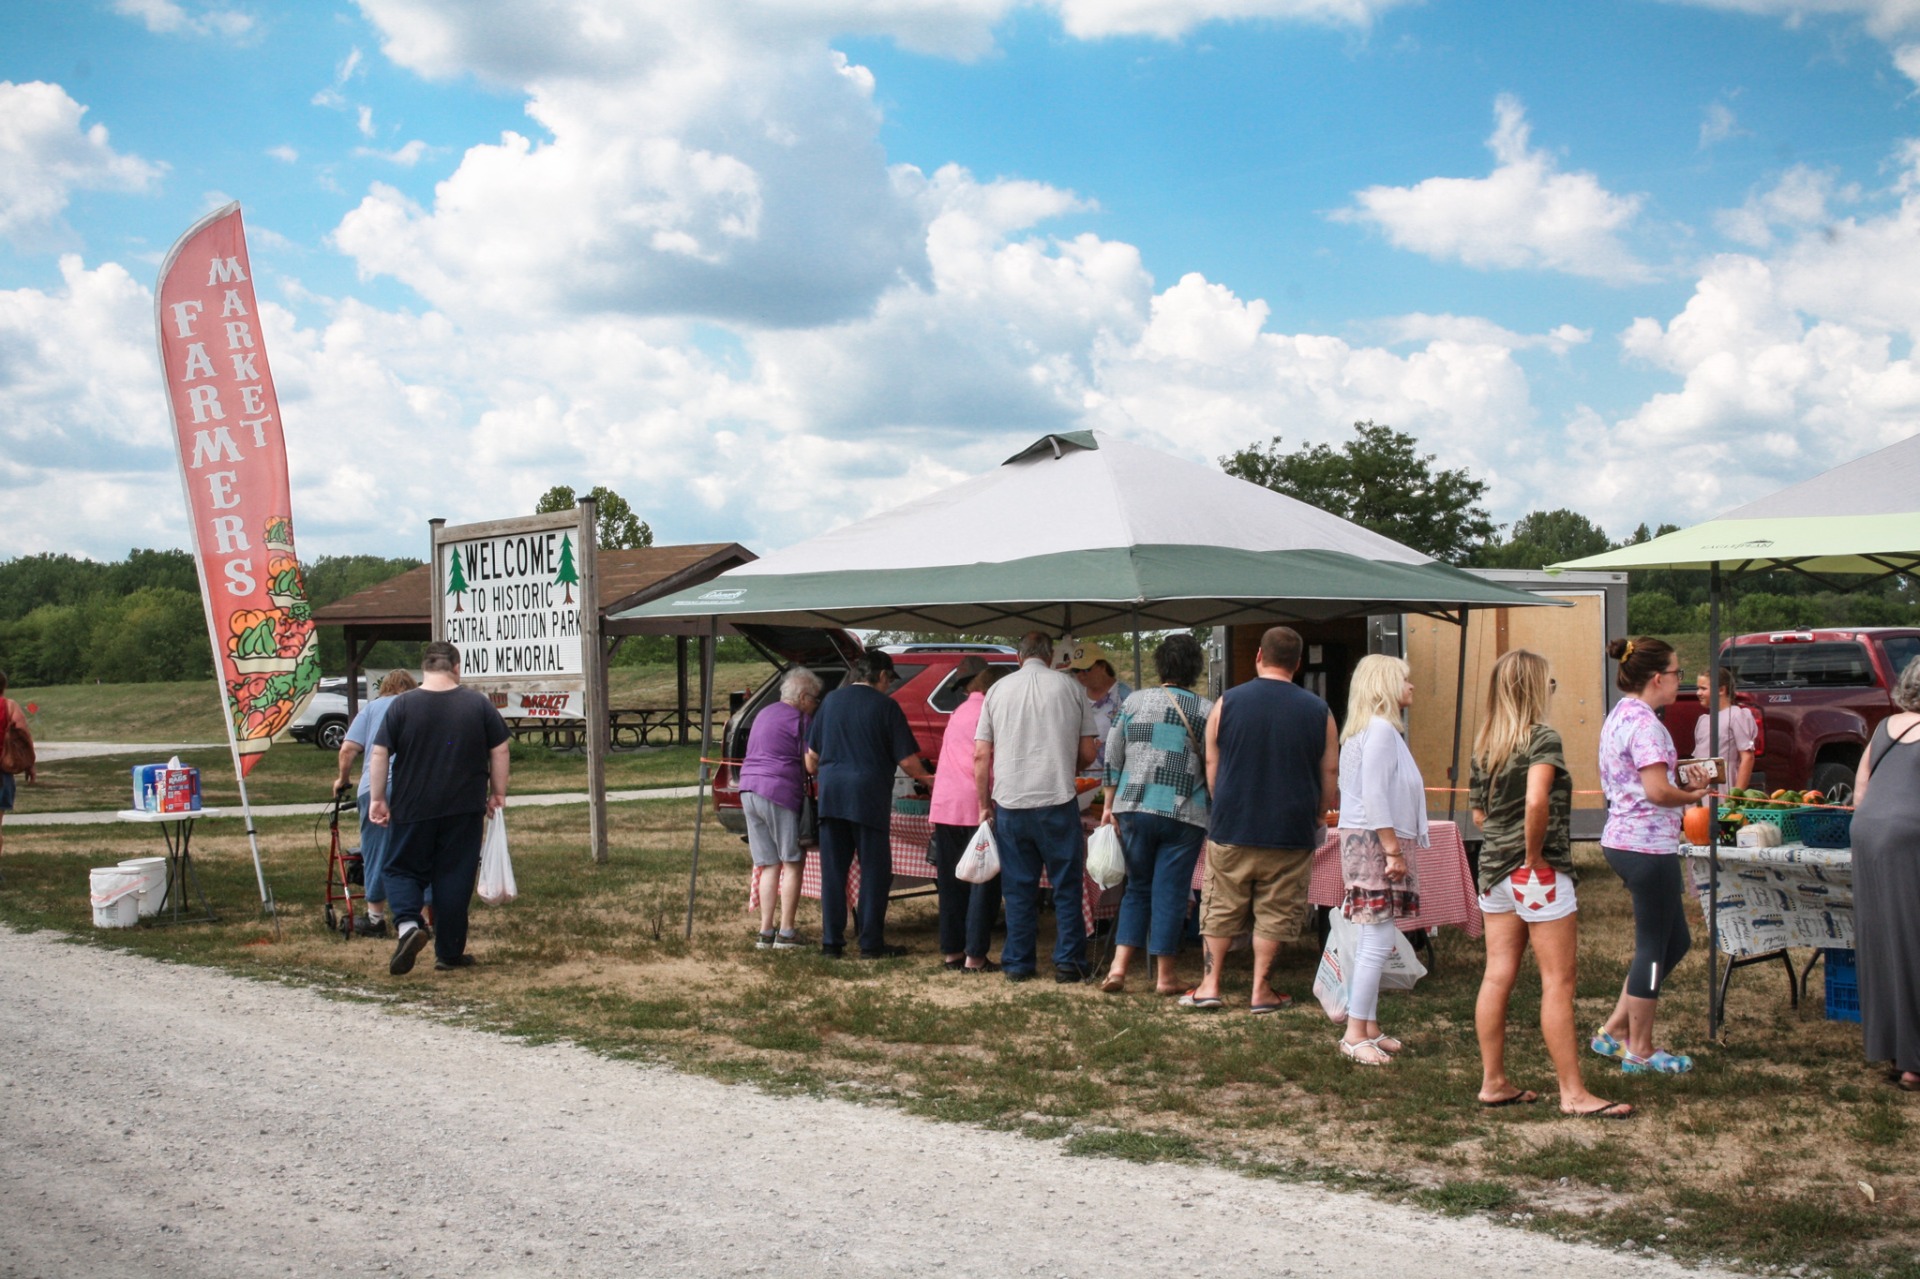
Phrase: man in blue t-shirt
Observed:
(373, 839)
(1273, 769)
(857, 738)
(448, 746)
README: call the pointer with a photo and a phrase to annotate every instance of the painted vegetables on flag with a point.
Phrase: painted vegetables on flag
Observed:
(233, 463)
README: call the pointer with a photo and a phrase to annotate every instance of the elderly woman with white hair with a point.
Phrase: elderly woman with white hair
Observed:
(1383, 812)
(1886, 885)
(773, 781)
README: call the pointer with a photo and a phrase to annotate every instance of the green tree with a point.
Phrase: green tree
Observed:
(1540, 538)
(456, 580)
(568, 576)
(1379, 480)
(615, 526)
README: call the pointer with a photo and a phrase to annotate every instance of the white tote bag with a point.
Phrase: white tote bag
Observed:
(496, 867)
(1106, 864)
(981, 862)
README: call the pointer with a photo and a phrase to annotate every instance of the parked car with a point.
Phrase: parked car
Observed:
(924, 685)
(1818, 696)
(323, 721)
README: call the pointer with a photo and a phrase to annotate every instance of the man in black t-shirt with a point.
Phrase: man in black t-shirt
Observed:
(448, 748)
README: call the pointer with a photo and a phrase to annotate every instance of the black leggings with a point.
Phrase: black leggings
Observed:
(1660, 937)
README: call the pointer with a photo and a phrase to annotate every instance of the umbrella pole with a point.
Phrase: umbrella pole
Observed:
(1134, 619)
(1716, 1008)
(1459, 712)
(706, 734)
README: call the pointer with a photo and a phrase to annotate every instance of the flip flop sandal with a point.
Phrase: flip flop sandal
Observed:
(1113, 984)
(1201, 1003)
(1525, 1097)
(1612, 1110)
(1261, 1010)
(1388, 1044)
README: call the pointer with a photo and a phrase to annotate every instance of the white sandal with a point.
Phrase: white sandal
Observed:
(1378, 1057)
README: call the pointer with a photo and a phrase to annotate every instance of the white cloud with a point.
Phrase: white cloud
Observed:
(164, 17)
(1523, 215)
(1906, 59)
(284, 153)
(1798, 201)
(1170, 18)
(46, 153)
(1719, 124)
(405, 156)
(1477, 331)
(1884, 18)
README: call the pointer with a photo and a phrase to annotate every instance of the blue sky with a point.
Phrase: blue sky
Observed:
(771, 265)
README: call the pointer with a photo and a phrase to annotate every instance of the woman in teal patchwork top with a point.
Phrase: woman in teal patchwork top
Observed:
(1157, 791)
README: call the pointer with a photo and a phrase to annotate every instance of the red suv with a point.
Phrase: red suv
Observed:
(924, 684)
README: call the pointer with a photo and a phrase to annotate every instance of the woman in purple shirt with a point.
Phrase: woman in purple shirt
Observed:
(773, 779)
(1642, 844)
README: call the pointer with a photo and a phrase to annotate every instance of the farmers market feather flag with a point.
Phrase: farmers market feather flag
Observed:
(233, 463)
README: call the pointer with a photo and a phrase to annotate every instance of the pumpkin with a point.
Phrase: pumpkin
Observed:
(1696, 825)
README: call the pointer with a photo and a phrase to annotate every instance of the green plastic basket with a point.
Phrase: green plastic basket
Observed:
(1787, 819)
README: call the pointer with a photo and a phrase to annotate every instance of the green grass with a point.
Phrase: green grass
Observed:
(1755, 1157)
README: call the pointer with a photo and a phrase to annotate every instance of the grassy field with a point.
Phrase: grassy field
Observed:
(190, 711)
(1758, 1157)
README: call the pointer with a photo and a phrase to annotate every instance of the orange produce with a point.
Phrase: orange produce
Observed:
(1695, 825)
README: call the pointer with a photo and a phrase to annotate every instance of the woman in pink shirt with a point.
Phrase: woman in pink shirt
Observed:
(967, 911)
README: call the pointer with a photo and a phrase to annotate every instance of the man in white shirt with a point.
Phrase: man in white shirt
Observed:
(1036, 731)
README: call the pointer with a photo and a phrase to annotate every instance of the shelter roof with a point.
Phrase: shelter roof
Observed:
(627, 578)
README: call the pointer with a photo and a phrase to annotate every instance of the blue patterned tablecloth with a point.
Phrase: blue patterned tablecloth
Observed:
(1775, 898)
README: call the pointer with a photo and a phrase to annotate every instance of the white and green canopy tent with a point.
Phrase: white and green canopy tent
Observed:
(1087, 534)
(1082, 533)
(1861, 518)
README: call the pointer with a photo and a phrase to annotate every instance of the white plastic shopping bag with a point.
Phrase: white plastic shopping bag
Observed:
(981, 862)
(1106, 864)
(1330, 981)
(496, 868)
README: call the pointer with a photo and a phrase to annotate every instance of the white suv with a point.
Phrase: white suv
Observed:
(323, 721)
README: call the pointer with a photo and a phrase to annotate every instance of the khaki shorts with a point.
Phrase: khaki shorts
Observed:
(1248, 886)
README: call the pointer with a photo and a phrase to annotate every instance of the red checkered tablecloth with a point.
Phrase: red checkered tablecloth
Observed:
(1448, 895)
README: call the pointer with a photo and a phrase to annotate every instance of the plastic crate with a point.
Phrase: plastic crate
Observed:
(1843, 986)
(1825, 827)
(1787, 819)
(908, 806)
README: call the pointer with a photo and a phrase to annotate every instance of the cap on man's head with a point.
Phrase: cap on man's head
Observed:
(1082, 654)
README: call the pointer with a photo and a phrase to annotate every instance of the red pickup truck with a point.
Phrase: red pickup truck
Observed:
(924, 684)
(1818, 696)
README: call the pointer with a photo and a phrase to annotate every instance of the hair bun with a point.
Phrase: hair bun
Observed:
(1620, 649)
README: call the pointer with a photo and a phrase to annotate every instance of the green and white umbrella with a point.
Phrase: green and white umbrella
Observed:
(1086, 533)
(1861, 517)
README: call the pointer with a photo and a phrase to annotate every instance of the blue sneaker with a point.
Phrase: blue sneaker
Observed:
(1607, 1046)
(1661, 1063)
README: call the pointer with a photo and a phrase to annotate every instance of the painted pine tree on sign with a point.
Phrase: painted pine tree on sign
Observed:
(567, 576)
(456, 581)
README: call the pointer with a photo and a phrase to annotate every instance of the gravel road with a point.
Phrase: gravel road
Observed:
(161, 1120)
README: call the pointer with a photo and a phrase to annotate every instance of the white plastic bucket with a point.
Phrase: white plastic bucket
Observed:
(153, 882)
(115, 893)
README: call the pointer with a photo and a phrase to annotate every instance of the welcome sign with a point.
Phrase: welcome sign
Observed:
(512, 602)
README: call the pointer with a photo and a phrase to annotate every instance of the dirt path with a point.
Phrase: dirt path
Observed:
(159, 1120)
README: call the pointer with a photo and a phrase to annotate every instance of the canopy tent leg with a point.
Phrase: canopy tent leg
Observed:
(1459, 711)
(1133, 619)
(685, 730)
(1716, 993)
(708, 643)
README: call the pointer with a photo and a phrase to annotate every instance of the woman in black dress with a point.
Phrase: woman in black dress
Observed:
(1886, 885)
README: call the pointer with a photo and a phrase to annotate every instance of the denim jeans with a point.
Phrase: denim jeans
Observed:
(841, 841)
(1160, 854)
(1030, 838)
(373, 853)
(967, 910)
(441, 853)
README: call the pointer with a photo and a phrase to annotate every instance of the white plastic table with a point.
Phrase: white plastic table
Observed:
(177, 830)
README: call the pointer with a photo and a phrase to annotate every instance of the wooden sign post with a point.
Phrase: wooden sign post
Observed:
(520, 599)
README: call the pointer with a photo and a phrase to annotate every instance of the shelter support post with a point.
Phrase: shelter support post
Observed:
(708, 643)
(685, 733)
(1459, 713)
(357, 651)
(598, 720)
(1716, 994)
